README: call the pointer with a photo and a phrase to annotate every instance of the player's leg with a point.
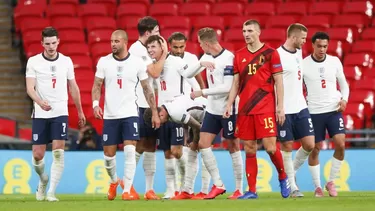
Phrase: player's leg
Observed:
(235, 153)
(110, 139)
(40, 139)
(130, 136)
(336, 130)
(191, 171)
(319, 124)
(177, 137)
(267, 131)
(58, 135)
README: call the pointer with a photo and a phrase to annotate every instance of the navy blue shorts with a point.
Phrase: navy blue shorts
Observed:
(144, 129)
(115, 131)
(333, 122)
(46, 130)
(296, 126)
(215, 123)
(170, 134)
(217, 139)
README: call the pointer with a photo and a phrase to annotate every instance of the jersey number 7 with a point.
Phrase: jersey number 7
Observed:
(53, 83)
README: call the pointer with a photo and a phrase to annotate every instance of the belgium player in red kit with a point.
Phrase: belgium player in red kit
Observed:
(258, 70)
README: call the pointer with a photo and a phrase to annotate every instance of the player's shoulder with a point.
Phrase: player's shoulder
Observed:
(308, 59)
(138, 46)
(228, 53)
(64, 58)
(331, 58)
(189, 55)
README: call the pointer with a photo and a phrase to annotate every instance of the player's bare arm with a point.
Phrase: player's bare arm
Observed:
(149, 95)
(195, 126)
(280, 114)
(75, 93)
(95, 95)
(200, 81)
(30, 87)
(232, 95)
(155, 69)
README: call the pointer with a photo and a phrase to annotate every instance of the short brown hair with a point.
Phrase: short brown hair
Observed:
(154, 38)
(147, 116)
(145, 24)
(207, 34)
(177, 36)
(49, 32)
(295, 27)
(252, 22)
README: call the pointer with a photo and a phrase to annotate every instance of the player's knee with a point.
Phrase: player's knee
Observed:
(233, 146)
(250, 147)
(168, 154)
(309, 144)
(38, 155)
(176, 151)
(109, 151)
(287, 146)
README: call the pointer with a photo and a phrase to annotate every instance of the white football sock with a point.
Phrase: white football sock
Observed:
(238, 169)
(170, 174)
(110, 166)
(206, 178)
(39, 168)
(335, 169)
(301, 157)
(56, 170)
(137, 157)
(289, 170)
(315, 174)
(191, 172)
(181, 163)
(129, 167)
(211, 165)
(149, 166)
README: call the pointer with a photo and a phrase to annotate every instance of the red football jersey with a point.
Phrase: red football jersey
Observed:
(256, 85)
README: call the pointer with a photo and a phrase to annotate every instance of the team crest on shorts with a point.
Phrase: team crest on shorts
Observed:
(35, 137)
(105, 137)
(282, 133)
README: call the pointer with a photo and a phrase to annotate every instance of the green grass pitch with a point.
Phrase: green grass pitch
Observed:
(267, 201)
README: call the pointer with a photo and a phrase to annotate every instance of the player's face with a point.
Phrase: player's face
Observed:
(155, 50)
(251, 33)
(118, 44)
(300, 39)
(50, 45)
(204, 45)
(163, 115)
(178, 47)
(320, 48)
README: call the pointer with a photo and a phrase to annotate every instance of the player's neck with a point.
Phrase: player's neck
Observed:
(216, 50)
(143, 40)
(255, 46)
(288, 46)
(317, 58)
(121, 56)
(50, 57)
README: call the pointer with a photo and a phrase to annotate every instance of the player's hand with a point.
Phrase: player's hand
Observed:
(155, 121)
(208, 65)
(227, 111)
(342, 106)
(81, 119)
(280, 116)
(45, 105)
(98, 112)
(196, 94)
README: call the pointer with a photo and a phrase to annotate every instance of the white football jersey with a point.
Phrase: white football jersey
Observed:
(190, 59)
(138, 49)
(182, 108)
(121, 78)
(321, 82)
(294, 101)
(223, 68)
(51, 77)
(170, 82)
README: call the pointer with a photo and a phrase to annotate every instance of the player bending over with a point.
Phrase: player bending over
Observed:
(326, 104)
(47, 76)
(298, 124)
(257, 70)
(120, 71)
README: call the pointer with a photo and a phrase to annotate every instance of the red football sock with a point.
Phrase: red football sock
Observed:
(251, 171)
(277, 160)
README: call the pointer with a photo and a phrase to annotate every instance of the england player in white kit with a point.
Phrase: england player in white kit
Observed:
(47, 76)
(298, 124)
(147, 26)
(219, 64)
(326, 104)
(170, 84)
(121, 72)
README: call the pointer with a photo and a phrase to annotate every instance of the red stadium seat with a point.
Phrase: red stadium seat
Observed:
(356, 111)
(235, 37)
(325, 8)
(169, 1)
(215, 22)
(238, 1)
(98, 23)
(82, 62)
(163, 9)
(352, 73)
(316, 21)
(28, 11)
(84, 75)
(364, 46)
(144, 2)
(367, 99)
(342, 34)
(179, 22)
(34, 25)
(227, 9)
(368, 33)
(297, 9)
(111, 5)
(337, 48)
(88, 11)
(238, 21)
(356, 22)
(21, 3)
(131, 9)
(25, 134)
(96, 36)
(201, 1)
(31, 37)
(75, 49)
(133, 35)
(71, 36)
(193, 48)
(359, 8)
(128, 22)
(273, 37)
(72, 2)
(261, 8)
(229, 46)
(33, 50)
(61, 10)
(280, 21)
(365, 84)
(85, 88)
(195, 9)
(8, 127)
(364, 60)
(68, 23)
(99, 50)
(276, 1)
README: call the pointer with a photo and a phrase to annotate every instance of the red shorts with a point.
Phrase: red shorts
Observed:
(257, 126)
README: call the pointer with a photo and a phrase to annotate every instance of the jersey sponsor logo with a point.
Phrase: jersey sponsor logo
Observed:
(228, 70)
(244, 60)
(282, 133)
(186, 67)
(105, 137)
(35, 137)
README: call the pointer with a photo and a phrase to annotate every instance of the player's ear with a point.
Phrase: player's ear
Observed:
(58, 41)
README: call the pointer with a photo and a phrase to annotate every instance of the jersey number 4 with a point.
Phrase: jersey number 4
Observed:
(119, 82)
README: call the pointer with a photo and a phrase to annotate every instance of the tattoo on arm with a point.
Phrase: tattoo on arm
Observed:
(149, 95)
(97, 88)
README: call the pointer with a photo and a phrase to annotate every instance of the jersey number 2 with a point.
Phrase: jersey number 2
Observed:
(119, 82)
(324, 84)
(53, 83)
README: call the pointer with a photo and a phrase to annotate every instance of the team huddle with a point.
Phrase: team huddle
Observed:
(155, 97)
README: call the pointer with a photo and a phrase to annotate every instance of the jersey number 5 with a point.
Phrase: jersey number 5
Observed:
(324, 84)
(119, 82)
(53, 83)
